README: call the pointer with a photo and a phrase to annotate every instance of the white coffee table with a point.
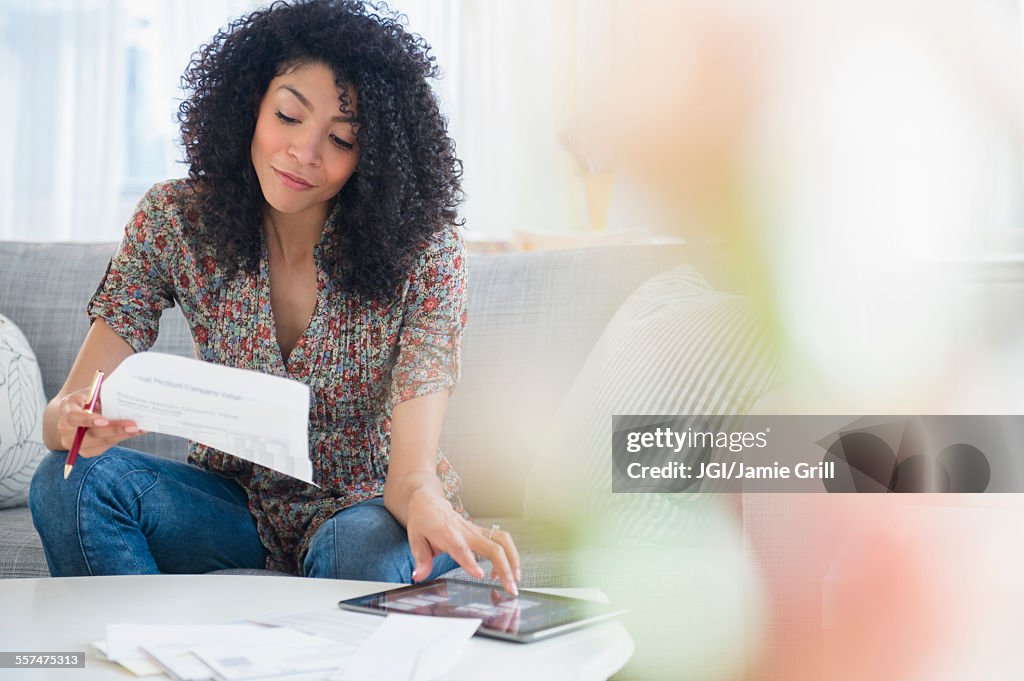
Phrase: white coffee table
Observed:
(65, 614)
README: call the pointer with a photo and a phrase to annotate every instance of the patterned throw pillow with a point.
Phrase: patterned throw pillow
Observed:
(21, 415)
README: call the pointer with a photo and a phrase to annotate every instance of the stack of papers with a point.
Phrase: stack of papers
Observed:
(315, 645)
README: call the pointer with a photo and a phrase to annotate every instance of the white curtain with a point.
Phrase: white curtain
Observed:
(63, 82)
(93, 87)
(175, 29)
(510, 83)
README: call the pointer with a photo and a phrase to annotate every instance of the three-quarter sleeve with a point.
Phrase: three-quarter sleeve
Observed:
(434, 317)
(136, 289)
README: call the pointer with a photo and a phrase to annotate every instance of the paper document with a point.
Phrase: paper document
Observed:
(409, 648)
(276, 652)
(256, 417)
(137, 663)
(129, 644)
(344, 626)
(230, 652)
(173, 650)
(331, 645)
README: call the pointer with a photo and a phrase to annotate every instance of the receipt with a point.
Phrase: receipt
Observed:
(256, 417)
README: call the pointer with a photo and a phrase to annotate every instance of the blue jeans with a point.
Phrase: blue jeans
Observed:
(127, 512)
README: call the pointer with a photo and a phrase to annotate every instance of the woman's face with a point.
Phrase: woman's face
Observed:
(304, 149)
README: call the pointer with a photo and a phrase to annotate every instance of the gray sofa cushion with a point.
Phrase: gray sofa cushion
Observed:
(532, 319)
(21, 552)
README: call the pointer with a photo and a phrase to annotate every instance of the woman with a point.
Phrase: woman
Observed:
(314, 238)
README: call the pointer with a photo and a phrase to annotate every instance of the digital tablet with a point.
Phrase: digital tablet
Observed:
(530, 616)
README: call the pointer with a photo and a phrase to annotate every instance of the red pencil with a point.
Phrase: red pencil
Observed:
(94, 396)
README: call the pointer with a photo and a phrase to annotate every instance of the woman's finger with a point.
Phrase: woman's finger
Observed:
(423, 557)
(495, 552)
(463, 555)
(103, 428)
(505, 540)
(99, 439)
(83, 419)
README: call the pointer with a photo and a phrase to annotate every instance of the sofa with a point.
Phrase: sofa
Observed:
(532, 319)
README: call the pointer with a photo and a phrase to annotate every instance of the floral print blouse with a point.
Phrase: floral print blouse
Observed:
(359, 357)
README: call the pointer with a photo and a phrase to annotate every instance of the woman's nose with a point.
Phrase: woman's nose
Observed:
(304, 148)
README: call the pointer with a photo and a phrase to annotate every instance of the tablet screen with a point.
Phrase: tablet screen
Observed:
(520, 617)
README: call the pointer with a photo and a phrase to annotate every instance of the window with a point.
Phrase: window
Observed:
(97, 88)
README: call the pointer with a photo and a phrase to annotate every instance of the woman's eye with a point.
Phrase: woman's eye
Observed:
(285, 119)
(340, 143)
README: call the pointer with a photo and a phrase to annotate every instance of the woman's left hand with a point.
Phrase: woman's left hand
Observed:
(435, 527)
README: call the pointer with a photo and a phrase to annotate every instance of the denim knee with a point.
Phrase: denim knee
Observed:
(49, 494)
(44, 485)
(363, 542)
(48, 483)
(128, 512)
(55, 503)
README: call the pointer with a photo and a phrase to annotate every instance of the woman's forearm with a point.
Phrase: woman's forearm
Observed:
(412, 472)
(51, 436)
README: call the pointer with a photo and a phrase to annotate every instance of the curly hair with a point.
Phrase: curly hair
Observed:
(407, 184)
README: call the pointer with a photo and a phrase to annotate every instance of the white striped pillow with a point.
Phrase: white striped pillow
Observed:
(676, 346)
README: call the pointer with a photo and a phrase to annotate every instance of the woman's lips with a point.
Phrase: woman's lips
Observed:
(291, 181)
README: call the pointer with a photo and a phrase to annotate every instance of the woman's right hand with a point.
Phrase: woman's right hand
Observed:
(102, 433)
